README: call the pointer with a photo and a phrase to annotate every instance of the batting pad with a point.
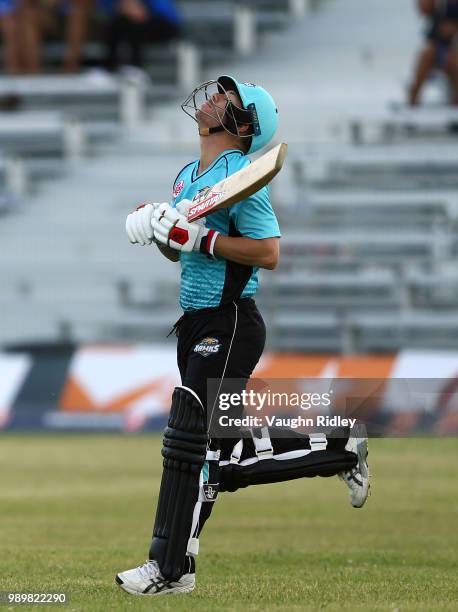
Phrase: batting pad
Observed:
(274, 455)
(184, 452)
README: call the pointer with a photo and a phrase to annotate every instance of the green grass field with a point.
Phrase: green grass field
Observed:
(75, 510)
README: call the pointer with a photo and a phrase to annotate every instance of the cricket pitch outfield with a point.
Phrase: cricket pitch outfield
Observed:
(77, 509)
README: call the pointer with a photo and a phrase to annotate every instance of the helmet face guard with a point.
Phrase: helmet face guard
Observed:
(230, 118)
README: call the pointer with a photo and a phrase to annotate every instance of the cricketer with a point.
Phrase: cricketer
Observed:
(221, 336)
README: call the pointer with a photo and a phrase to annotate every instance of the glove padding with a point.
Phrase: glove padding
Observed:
(138, 224)
(172, 228)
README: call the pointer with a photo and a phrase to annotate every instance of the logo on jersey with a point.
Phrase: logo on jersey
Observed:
(210, 491)
(178, 188)
(207, 347)
(250, 84)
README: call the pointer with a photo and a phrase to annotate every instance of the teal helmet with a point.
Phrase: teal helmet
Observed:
(259, 110)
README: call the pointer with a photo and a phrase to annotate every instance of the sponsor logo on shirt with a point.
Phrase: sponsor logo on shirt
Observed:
(178, 188)
(207, 347)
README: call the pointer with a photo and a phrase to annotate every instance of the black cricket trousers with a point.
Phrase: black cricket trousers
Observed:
(225, 342)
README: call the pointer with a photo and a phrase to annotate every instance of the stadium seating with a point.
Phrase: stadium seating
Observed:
(370, 232)
(395, 122)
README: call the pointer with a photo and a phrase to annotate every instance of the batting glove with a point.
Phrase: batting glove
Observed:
(172, 229)
(138, 224)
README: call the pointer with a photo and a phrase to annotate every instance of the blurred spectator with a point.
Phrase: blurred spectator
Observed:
(441, 50)
(138, 23)
(68, 19)
(131, 23)
(25, 23)
(78, 13)
(20, 29)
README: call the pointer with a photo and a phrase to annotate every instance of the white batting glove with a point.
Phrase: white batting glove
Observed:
(172, 229)
(138, 224)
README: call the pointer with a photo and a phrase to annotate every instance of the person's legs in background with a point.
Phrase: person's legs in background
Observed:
(451, 69)
(29, 36)
(77, 26)
(113, 38)
(155, 31)
(122, 30)
(8, 28)
(137, 30)
(425, 64)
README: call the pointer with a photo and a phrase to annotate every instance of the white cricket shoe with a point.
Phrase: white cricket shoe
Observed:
(357, 479)
(147, 580)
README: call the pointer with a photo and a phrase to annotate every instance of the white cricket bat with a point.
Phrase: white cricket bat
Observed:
(240, 185)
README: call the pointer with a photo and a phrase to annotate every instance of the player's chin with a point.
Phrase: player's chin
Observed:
(206, 120)
(202, 116)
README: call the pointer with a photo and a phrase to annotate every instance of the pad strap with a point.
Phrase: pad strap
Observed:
(263, 445)
(318, 441)
(278, 455)
(208, 492)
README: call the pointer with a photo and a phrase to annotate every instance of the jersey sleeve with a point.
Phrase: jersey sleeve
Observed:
(254, 217)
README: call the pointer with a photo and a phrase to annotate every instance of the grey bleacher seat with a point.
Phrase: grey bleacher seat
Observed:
(332, 291)
(281, 6)
(298, 247)
(22, 175)
(162, 63)
(426, 202)
(305, 333)
(385, 156)
(393, 211)
(208, 22)
(384, 332)
(49, 133)
(382, 167)
(95, 92)
(7, 202)
(66, 325)
(213, 24)
(95, 95)
(32, 132)
(402, 122)
(433, 289)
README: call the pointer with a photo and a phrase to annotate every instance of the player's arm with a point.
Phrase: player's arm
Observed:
(262, 253)
(258, 246)
(258, 234)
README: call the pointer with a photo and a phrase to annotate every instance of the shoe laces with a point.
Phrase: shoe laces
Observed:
(349, 473)
(149, 570)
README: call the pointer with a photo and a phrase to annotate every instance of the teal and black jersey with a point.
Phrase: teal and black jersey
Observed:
(209, 282)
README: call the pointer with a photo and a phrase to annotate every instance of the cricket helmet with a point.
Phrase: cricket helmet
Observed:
(258, 110)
